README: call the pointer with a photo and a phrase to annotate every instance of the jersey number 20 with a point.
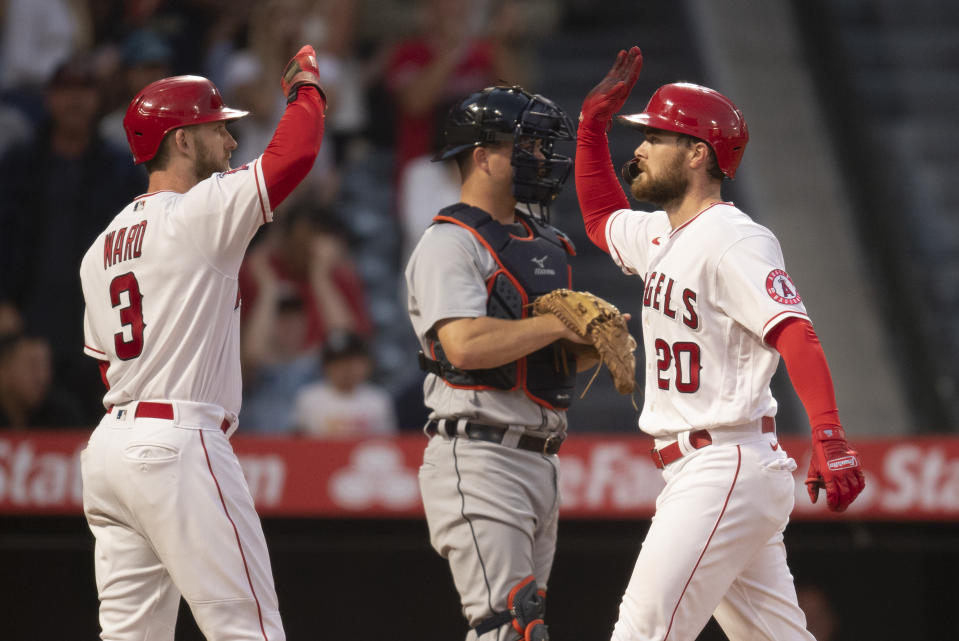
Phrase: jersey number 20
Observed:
(130, 316)
(686, 358)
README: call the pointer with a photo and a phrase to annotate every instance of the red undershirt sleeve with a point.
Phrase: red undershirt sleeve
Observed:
(104, 366)
(291, 153)
(795, 339)
(597, 187)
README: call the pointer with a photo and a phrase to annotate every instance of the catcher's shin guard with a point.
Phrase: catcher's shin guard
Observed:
(526, 608)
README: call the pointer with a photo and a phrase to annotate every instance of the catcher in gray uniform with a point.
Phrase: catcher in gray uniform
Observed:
(499, 380)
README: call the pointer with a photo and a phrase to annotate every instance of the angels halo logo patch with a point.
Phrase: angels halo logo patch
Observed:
(781, 289)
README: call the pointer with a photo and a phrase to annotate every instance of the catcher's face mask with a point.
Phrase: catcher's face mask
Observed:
(538, 171)
(530, 123)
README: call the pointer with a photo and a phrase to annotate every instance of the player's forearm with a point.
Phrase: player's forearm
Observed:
(484, 342)
(597, 187)
(294, 146)
(808, 370)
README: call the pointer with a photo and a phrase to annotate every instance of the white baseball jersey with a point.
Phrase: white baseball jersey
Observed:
(162, 299)
(714, 287)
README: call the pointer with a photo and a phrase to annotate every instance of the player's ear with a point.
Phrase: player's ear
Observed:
(183, 141)
(481, 158)
(698, 155)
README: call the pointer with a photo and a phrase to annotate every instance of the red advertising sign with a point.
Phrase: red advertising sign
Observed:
(602, 476)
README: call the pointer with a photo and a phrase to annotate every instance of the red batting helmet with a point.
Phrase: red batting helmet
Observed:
(170, 103)
(700, 112)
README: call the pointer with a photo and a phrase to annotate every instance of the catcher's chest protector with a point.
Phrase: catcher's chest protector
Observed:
(528, 267)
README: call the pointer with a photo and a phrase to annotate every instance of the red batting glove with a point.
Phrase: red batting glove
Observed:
(301, 70)
(834, 467)
(611, 93)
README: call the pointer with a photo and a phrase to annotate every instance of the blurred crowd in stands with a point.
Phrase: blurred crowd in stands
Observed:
(326, 344)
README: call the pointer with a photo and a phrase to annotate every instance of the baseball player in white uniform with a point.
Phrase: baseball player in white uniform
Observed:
(163, 492)
(496, 391)
(719, 309)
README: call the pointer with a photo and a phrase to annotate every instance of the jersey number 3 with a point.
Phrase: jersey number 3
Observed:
(130, 316)
(686, 358)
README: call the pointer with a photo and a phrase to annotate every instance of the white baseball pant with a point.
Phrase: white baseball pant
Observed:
(715, 546)
(171, 512)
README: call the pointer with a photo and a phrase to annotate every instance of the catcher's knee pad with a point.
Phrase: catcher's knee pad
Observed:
(526, 607)
(527, 604)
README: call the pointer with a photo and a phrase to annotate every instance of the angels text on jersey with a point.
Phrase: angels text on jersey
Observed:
(660, 294)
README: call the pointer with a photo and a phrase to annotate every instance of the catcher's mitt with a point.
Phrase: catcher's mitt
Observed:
(602, 324)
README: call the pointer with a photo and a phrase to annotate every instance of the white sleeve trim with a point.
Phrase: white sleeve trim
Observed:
(95, 353)
(614, 252)
(261, 190)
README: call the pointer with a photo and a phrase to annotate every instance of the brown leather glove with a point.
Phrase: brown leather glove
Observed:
(602, 324)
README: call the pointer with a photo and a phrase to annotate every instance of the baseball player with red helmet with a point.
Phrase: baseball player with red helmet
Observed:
(719, 309)
(163, 492)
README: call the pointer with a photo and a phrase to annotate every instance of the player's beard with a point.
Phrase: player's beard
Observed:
(670, 187)
(207, 163)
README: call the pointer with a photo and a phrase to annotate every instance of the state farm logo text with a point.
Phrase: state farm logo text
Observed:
(611, 476)
(48, 479)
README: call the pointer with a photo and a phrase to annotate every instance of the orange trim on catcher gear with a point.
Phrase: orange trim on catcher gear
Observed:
(521, 362)
(511, 598)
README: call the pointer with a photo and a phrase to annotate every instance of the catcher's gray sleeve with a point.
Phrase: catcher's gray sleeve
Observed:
(446, 278)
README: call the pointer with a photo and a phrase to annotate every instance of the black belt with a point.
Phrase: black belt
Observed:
(494, 434)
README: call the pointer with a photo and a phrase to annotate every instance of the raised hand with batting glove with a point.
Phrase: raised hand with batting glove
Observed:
(301, 70)
(608, 97)
(597, 188)
(833, 467)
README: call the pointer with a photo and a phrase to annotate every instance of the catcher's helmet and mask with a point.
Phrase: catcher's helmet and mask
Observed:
(512, 114)
(168, 104)
(697, 111)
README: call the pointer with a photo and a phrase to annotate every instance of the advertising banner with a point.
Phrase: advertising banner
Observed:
(603, 476)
